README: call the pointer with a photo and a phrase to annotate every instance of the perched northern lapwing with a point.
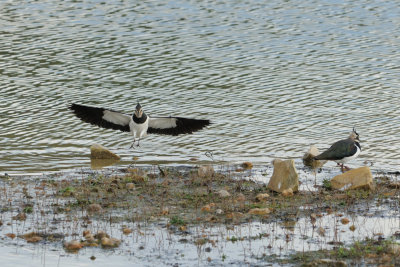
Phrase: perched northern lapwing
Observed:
(139, 124)
(342, 151)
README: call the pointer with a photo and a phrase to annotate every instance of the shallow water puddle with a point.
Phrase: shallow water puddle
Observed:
(251, 242)
(155, 243)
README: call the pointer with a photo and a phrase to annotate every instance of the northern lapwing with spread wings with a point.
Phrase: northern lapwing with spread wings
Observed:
(139, 124)
(343, 151)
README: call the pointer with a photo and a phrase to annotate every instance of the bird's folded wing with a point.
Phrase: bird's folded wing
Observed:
(102, 117)
(339, 150)
(175, 125)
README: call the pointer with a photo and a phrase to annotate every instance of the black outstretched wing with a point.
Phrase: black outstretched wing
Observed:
(339, 150)
(175, 125)
(102, 117)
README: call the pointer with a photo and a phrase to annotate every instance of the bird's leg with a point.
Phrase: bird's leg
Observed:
(347, 168)
(341, 167)
(132, 146)
(138, 142)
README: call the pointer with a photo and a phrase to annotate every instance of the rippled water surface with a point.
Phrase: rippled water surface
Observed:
(273, 76)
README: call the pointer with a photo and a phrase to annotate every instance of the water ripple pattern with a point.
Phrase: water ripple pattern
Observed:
(273, 76)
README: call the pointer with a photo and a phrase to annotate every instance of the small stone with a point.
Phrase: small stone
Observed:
(94, 208)
(92, 258)
(31, 237)
(73, 245)
(10, 235)
(211, 218)
(234, 215)
(101, 234)
(309, 161)
(219, 211)
(223, 193)
(240, 197)
(100, 152)
(20, 217)
(165, 211)
(247, 165)
(126, 231)
(208, 207)
(258, 211)
(110, 242)
(360, 178)
(287, 192)
(352, 228)
(90, 238)
(262, 197)
(345, 221)
(85, 233)
(130, 186)
(321, 231)
(284, 176)
(205, 171)
(34, 239)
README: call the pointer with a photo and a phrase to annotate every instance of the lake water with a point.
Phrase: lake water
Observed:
(273, 76)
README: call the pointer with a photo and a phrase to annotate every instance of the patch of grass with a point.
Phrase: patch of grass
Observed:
(176, 220)
(256, 205)
(67, 191)
(28, 209)
(369, 248)
(360, 249)
(326, 184)
(233, 239)
(79, 203)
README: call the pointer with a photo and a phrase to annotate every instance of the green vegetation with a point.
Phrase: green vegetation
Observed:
(369, 250)
(176, 220)
(326, 184)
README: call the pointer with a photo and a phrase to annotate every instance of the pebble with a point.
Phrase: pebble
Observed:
(223, 193)
(73, 245)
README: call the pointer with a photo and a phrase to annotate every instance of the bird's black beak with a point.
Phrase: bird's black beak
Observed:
(138, 107)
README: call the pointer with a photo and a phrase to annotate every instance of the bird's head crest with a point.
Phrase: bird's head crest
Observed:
(138, 111)
(354, 135)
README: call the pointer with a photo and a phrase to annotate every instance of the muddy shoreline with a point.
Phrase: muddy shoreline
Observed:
(192, 217)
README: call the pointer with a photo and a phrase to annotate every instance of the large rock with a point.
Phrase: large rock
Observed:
(284, 176)
(360, 178)
(308, 158)
(100, 152)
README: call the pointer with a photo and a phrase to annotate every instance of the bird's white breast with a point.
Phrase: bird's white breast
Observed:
(139, 130)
